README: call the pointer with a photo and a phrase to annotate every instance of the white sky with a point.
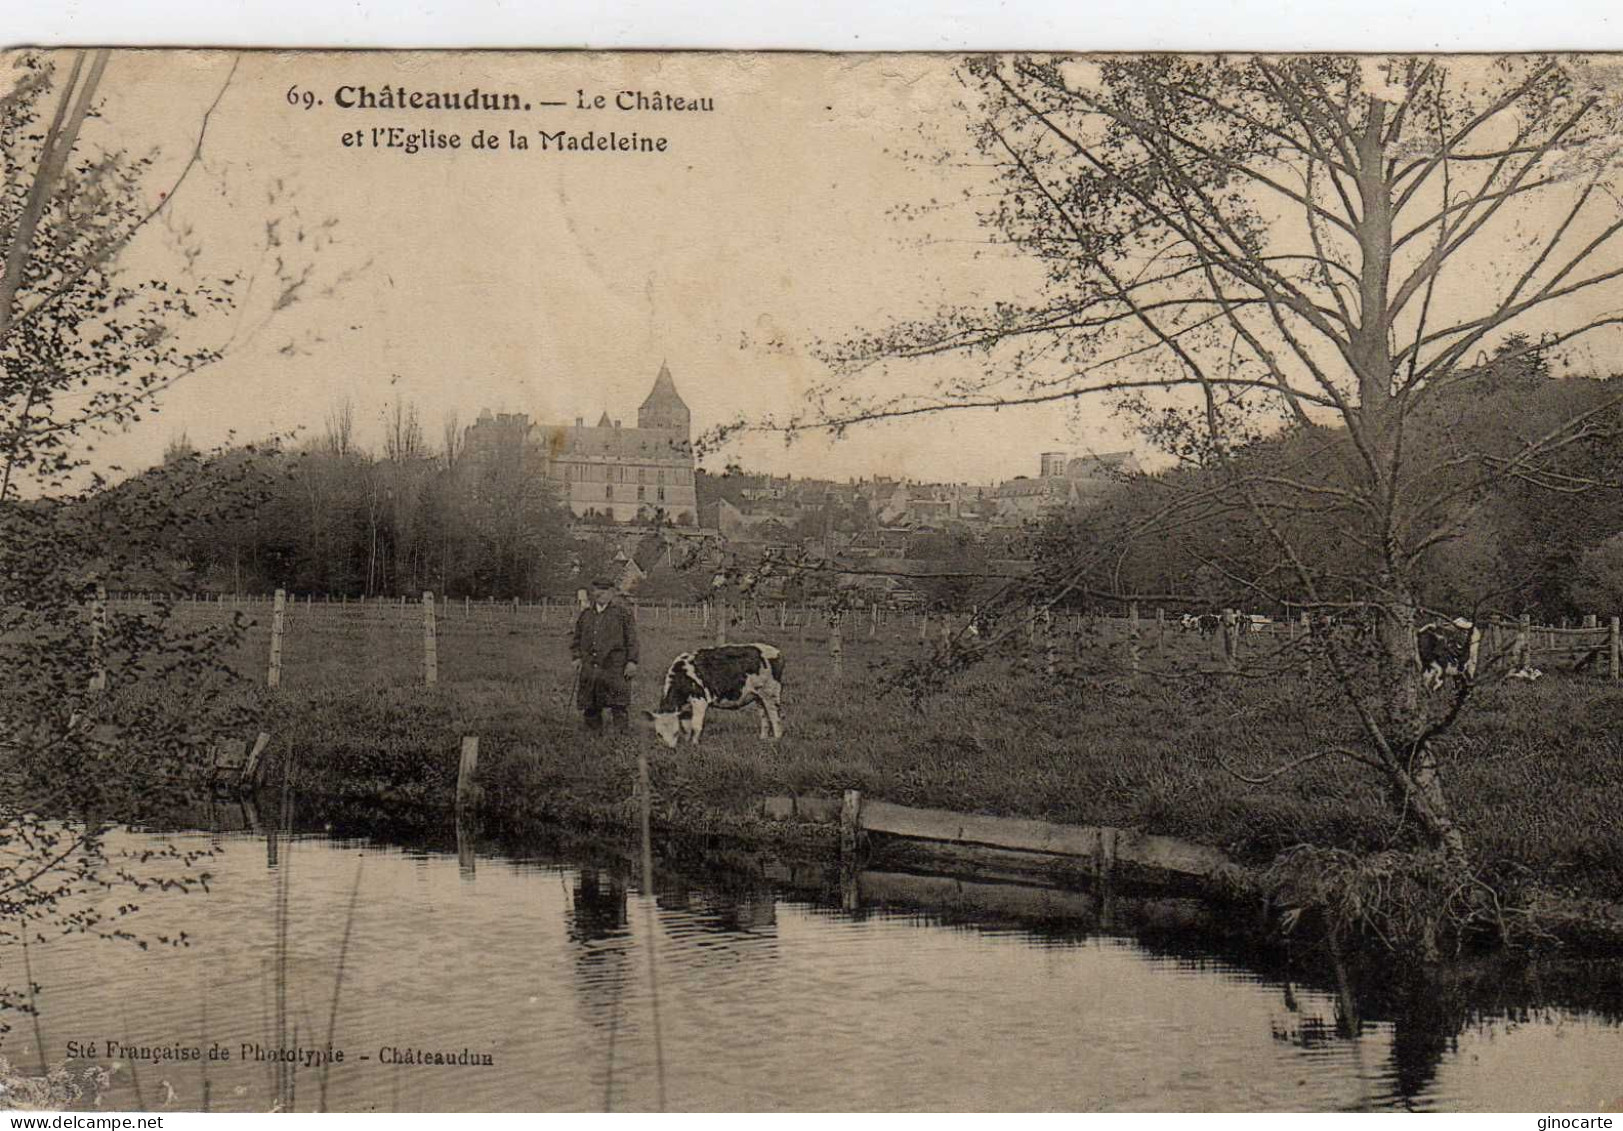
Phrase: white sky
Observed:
(557, 284)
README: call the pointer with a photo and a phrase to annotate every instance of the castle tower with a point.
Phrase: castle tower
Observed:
(664, 408)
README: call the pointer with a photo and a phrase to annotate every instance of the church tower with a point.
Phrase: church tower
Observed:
(664, 408)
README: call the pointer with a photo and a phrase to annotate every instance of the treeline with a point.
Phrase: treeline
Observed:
(326, 516)
(1521, 474)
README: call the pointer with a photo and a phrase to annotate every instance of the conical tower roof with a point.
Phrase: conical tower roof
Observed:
(664, 394)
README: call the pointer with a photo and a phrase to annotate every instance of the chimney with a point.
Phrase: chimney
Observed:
(617, 424)
(580, 422)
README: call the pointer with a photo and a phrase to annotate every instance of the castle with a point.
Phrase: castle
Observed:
(641, 474)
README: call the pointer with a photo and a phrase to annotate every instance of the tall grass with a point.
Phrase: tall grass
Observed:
(1532, 769)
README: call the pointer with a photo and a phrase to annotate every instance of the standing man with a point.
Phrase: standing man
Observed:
(604, 648)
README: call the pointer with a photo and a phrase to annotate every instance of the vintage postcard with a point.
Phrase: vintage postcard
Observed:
(566, 581)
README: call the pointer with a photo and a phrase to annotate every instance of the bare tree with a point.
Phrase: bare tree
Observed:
(97, 709)
(1230, 248)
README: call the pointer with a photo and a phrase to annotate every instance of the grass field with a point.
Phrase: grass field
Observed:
(1535, 771)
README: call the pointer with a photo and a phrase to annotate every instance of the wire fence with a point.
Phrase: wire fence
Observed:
(423, 634)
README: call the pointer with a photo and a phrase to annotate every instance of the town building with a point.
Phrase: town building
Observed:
(604, 471)
(1063, 482)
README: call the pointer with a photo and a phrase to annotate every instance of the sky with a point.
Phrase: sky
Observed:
(803, 209)
(556, 284)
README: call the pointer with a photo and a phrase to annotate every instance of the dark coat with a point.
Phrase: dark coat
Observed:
(604, 643)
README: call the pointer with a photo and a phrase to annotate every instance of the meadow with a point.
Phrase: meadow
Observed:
(1534, 770)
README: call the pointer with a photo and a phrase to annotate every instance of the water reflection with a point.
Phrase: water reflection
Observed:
(744, 983)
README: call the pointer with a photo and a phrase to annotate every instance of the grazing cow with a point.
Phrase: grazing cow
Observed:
(1257, 622)
(1210, 624)
(1447, 649)
(729, 677)
(1189, 622)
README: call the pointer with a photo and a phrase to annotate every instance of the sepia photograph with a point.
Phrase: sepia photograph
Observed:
(663, 581)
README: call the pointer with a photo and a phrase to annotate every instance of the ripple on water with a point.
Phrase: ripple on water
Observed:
(764, 1003)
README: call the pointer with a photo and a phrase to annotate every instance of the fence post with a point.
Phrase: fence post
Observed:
(466, 769)
(850, 821)
(1132, 636)
(1231, 639)
(1616, 649)
(721, 623)
(1160, 633)
(431, 659)
(98, 631)
(274, 677)
(1524, 641)
(836, 646)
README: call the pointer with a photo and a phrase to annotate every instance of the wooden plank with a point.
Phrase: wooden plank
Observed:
(968, 828)
(1128, 846)
(250, 771)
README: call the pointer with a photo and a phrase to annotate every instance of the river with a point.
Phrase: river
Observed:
(569, 986)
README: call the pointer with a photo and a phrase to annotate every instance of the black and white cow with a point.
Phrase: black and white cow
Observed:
(729, 676)
(1447, 648)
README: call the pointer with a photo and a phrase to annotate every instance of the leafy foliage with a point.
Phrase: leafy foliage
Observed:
(104, 711)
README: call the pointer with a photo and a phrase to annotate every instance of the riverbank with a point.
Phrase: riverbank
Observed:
(1531, 771)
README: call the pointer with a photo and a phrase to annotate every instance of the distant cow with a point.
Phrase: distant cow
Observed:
(1447, 648)
(729, 677)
